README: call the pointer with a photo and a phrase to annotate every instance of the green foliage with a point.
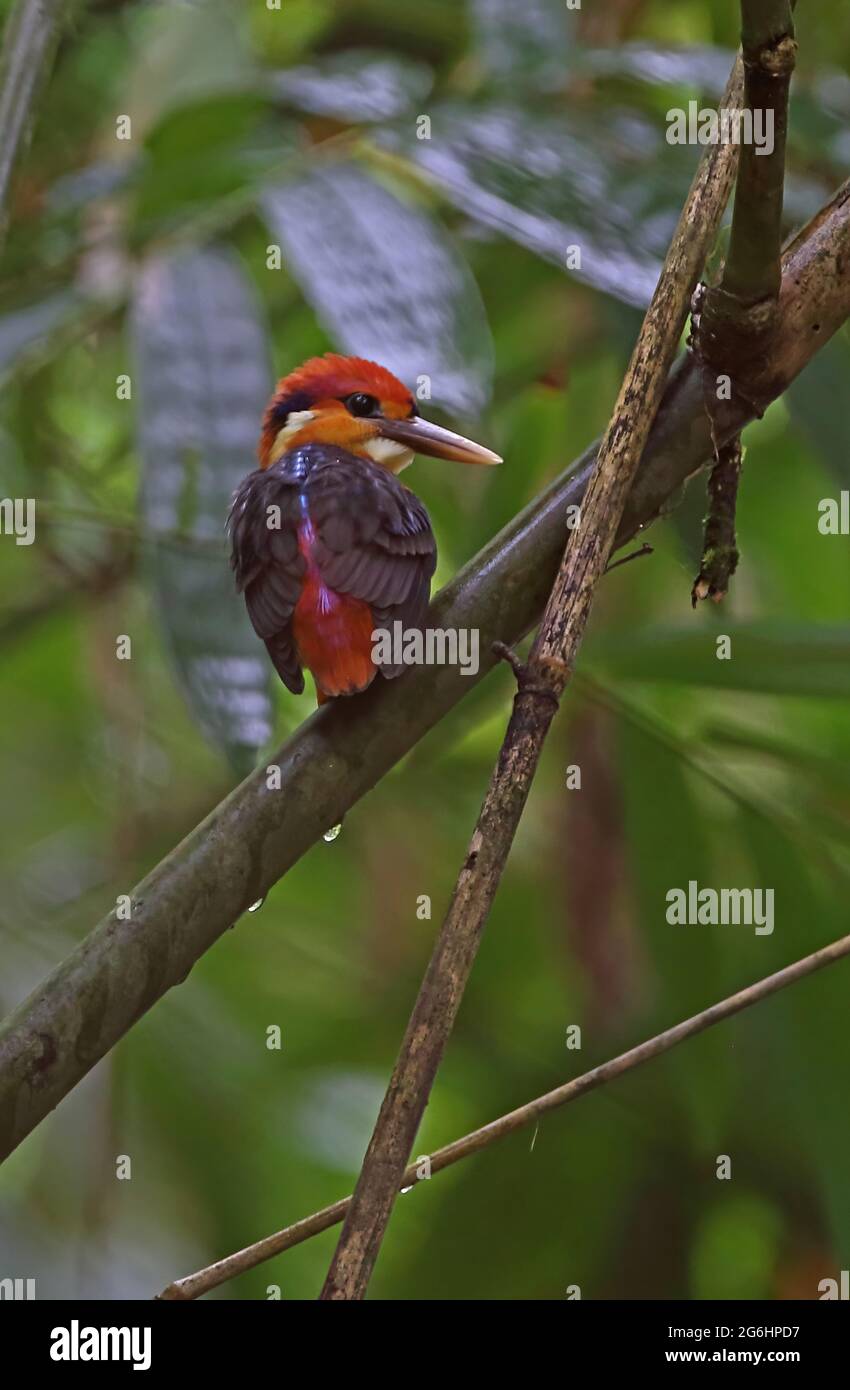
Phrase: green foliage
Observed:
(153, 258)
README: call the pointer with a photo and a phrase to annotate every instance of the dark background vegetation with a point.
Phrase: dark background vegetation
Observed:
(148, 257)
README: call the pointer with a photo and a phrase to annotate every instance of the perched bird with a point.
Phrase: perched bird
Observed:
(327, 545)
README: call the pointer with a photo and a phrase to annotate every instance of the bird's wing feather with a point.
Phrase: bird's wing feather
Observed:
(373, 540)
(268, 565)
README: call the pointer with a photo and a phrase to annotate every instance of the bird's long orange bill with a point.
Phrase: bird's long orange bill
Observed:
(426, 438)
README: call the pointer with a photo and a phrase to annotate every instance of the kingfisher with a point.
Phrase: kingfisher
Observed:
(328, 546)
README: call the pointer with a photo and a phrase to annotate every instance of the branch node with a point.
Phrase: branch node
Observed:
(506, 653)
(775, 59)
(527, 675)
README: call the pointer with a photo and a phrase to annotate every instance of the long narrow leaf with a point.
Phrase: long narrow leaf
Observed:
(203, 374)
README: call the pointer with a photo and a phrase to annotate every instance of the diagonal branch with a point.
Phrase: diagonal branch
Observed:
(193, 1285)
(246, 844)
(541, 684)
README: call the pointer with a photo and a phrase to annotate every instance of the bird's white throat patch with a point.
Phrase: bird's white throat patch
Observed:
(389, 452)
(295, 421)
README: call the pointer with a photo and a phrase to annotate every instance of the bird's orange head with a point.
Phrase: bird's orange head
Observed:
(361, 407)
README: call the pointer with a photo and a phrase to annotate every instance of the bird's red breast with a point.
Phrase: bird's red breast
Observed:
(332, 631)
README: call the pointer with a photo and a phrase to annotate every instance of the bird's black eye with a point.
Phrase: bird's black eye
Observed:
(361, 404)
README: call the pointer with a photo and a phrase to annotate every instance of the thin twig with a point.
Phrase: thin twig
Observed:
(627, 559)
(193, 1285)
(541, 683)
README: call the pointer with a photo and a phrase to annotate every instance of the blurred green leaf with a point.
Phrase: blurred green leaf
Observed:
(208, 123)
(773, 658)
(387, 283)
(807, 1041)
(815, 767)
(282, 35)
(736, 1249)
(204, 152)
(203, 376)
(668, 845)
(186, 53)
